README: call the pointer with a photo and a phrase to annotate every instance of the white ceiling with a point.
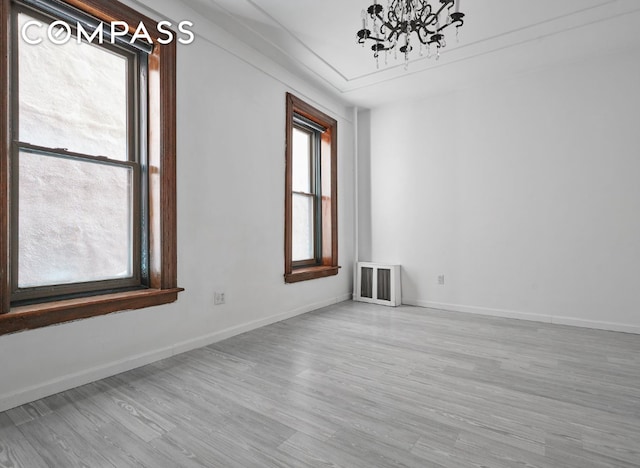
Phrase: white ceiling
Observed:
(317, 39)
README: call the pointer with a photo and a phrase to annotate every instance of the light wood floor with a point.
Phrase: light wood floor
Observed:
(355, 385)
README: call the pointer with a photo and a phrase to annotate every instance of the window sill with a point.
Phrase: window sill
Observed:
(309, 273)
(41, 315)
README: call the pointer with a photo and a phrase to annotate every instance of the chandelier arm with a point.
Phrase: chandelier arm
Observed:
(442, 28)
(423, 40)
(388, 36)
(362, 39)
(431, 20)
(425, 10)
(392, 15)
(456, 21)
(365, 34)
(424, 4)
(445, 4)
(393, 30)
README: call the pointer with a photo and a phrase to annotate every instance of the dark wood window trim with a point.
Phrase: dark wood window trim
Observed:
(161, 184)
(328, 261)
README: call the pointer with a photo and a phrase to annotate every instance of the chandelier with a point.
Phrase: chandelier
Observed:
(407, 23)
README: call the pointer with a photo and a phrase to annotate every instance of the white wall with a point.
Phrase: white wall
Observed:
(524, 193)
(231, 134)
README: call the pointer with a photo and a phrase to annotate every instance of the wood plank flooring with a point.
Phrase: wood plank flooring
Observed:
(355, 385)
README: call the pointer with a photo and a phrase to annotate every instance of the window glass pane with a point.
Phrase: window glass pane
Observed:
(301, 161)
(72, 96)
(303, 238)
(75, 221)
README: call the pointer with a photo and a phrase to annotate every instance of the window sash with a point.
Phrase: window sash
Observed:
(306, 160)
(315, 183)
(315, 131)
(313, 260)
(138, 71)
(301, 121)
(24, 295)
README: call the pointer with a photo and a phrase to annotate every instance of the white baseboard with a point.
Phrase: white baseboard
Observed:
(66, 382)
(598, 325)
(595, 324)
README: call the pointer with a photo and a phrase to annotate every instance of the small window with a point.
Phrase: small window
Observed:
(90, 154)
(311, 240)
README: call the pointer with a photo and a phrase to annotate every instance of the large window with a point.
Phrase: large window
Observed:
(311, 231)
(87, 164)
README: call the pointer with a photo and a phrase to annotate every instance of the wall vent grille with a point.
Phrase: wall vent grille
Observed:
(378, 283)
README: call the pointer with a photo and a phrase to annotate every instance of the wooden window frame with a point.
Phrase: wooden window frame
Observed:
(327, 261)
(161, 183)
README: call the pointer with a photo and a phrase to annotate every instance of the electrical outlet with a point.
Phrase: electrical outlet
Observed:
(218, 298)
(441, 280)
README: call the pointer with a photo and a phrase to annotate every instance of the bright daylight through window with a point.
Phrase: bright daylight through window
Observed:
(78, 167)
(89, 151)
